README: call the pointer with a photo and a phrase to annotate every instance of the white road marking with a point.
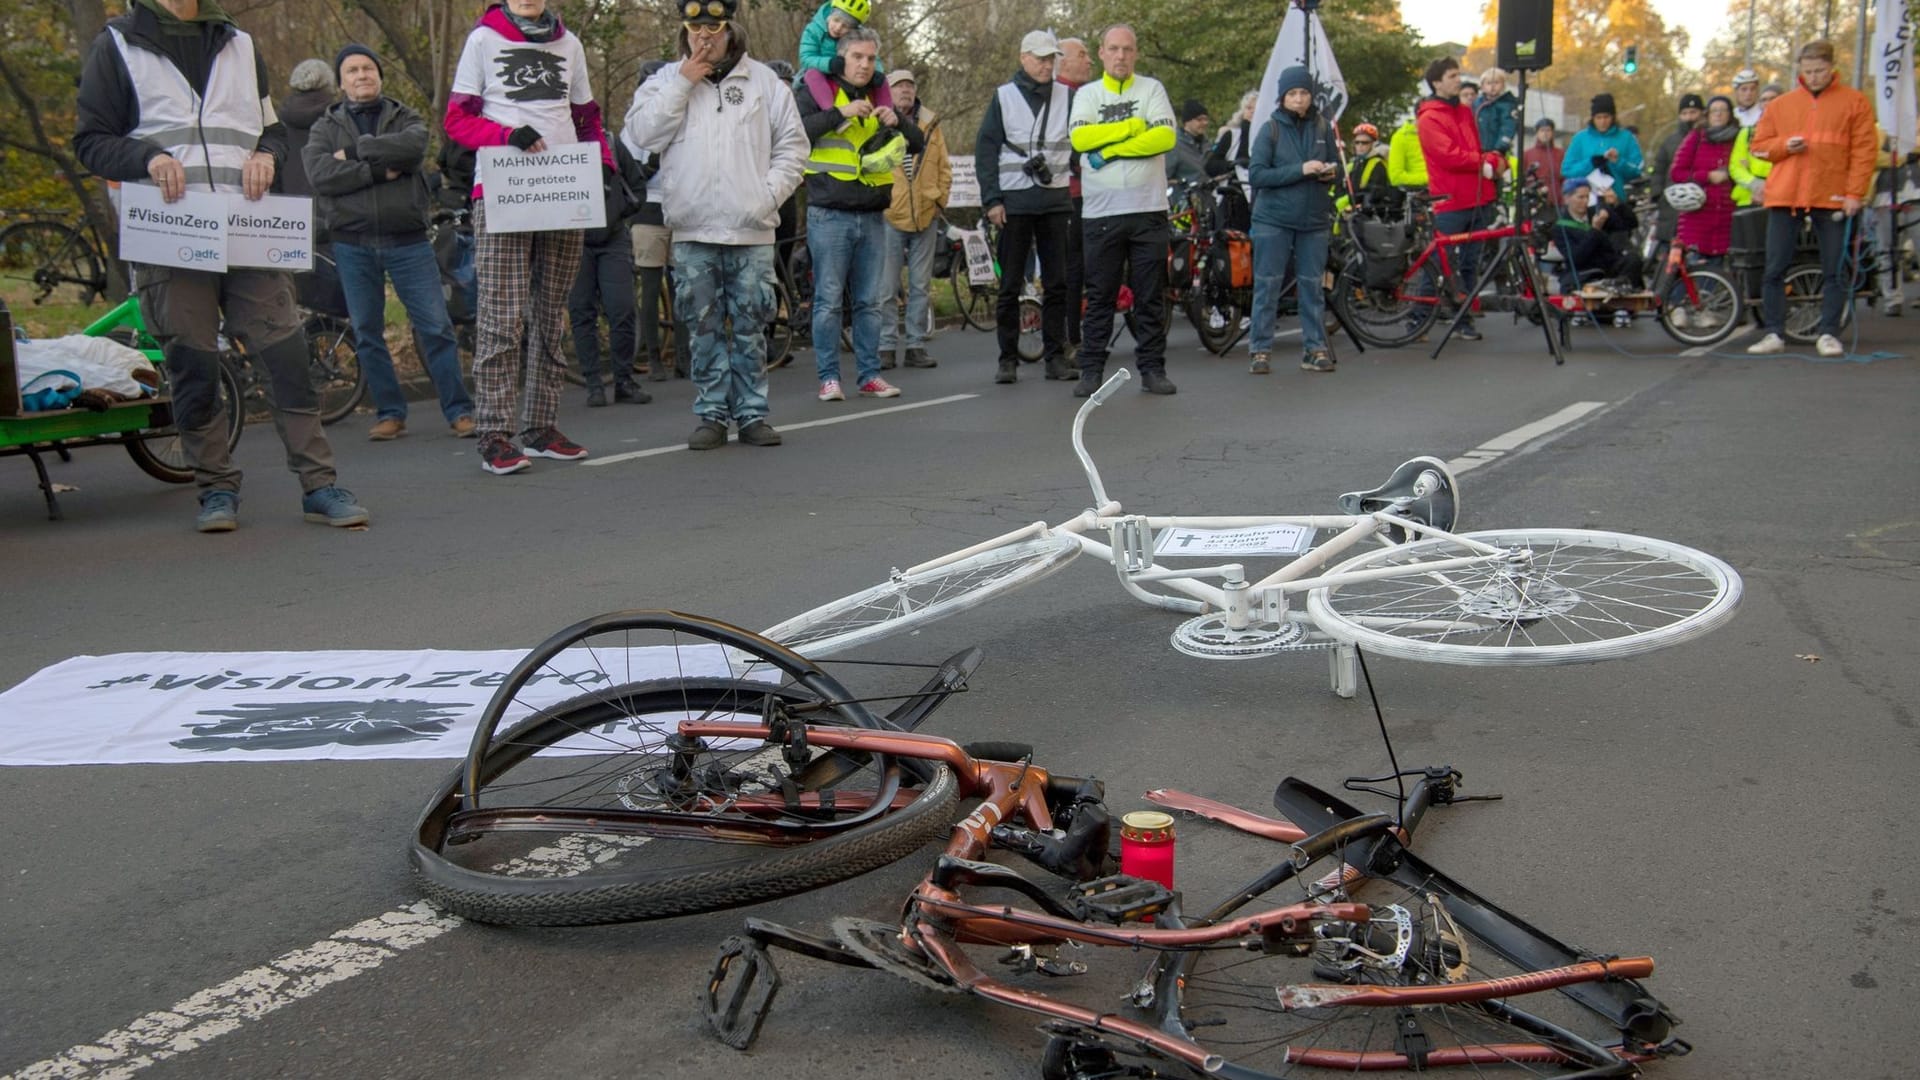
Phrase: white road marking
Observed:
(861, 415)
(250, 995)
(1500, 445)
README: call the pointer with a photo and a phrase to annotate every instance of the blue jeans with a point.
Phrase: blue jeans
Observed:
(849, 264)
(1465, 259)
(914, 251)
(416, 281)
(1273, 247)
(723, 298)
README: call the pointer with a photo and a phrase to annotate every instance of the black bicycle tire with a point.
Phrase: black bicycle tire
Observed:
(1812, 272)
(340, 406)
(73, 243)
(660, 892)
(976, 302)
(780, 327)
(1360, 329)
(1216, 340)
(164, 467)
(1720, 335)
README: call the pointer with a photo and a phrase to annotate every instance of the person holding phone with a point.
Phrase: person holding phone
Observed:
(1821, 143)
(1292, 169)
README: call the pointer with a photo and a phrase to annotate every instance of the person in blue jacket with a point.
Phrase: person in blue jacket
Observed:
(1292, 169)
(1604, 146)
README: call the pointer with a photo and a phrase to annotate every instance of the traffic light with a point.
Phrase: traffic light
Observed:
(1632, 63)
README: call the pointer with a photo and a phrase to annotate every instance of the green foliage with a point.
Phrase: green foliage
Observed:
(1216, 50)
(39, 63)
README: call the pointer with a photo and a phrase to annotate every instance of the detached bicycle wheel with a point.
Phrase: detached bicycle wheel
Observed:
(906, 601)
(593, 808)
(51, 263)
(1559, 596)
(1413, 989)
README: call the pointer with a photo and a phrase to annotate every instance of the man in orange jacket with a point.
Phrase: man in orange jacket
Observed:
(1820, 138)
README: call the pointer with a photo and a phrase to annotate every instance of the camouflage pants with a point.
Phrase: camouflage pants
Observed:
(723, 298)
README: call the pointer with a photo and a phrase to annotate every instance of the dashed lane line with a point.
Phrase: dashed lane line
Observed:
(863, 414)
(1501, 445)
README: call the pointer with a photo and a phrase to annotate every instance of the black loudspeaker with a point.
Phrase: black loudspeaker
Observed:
(1526, 34)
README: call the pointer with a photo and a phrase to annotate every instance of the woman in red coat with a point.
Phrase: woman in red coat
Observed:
(1702, 159)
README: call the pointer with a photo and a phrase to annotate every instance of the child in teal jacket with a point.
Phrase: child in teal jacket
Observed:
(819, 43)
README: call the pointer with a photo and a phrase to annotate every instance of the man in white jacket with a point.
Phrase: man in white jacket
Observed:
(731, 151)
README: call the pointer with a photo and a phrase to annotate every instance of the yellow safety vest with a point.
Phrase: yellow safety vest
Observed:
(837, 154)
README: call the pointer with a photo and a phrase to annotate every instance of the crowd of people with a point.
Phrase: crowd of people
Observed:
(717, 148)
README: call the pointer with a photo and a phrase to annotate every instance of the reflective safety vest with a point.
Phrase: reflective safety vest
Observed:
(837, 154)
(1025, 138)
(1744, 168)
(210, 136)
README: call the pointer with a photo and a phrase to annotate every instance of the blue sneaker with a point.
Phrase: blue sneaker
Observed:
(333, 506)
(219, 511)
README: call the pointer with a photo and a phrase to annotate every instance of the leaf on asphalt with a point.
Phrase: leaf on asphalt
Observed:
(1807, 656)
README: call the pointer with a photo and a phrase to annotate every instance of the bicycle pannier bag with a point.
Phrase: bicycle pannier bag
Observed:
(1385, 247)
(1229, 262)
(1180, 262)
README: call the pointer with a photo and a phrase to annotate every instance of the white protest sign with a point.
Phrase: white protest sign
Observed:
(965, 188)
(1258, 540)
(190, 234)
(979, 256)
(553, 189)
(274, 231)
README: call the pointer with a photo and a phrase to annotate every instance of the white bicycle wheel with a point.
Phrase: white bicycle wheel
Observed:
(1564, 596)
(906, 601)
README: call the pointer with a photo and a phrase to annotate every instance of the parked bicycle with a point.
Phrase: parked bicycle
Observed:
(702, 767)
(54, 259)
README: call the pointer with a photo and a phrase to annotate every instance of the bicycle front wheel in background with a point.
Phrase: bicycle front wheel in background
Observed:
(1708, 321)
(975, 301)
(160, 454)
(50, 263)
(1560, 596)
(334, 366)
(906, 601)
(593, 808)
(780, 327)
(1216, 321)
(1804, 286)
(1033, 343)
(1380, 318)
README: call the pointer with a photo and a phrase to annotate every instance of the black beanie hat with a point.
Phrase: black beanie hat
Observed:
(1192, 110)
(1602, 103)
(1692, 101)
(357, 49)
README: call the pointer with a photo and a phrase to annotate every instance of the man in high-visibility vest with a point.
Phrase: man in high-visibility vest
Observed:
(856, 146)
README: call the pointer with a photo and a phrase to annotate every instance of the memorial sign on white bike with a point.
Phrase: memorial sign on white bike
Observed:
(1258, 540)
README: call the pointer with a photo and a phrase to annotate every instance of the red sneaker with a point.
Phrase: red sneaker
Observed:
(548, 442)
(878, 387)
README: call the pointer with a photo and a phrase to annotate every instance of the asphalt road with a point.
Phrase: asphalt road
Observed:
(1731, 806)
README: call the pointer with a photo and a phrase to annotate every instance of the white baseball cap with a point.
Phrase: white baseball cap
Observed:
(1746, 75)
(1040, 43)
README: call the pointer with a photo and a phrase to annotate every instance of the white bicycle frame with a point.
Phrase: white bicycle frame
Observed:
(1243, 604)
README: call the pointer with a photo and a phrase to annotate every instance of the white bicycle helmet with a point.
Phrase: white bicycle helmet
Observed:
(1686, 197)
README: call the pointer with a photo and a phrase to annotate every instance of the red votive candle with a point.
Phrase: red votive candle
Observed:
(1146, 846)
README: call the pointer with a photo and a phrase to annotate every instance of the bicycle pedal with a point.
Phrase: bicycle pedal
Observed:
(745, 972)
(1023, 959)
(1119, 898)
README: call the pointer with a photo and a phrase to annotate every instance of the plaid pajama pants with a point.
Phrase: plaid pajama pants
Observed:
(524, 281)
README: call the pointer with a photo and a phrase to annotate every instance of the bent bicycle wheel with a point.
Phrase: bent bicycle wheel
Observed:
(594, 808)
(1424, 985)
(906, 601)
(1557, 596)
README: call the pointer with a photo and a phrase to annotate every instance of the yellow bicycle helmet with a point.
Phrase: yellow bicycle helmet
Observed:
(857, 10)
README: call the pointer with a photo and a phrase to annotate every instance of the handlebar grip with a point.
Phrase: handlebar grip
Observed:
(1110, 387)
(1341, 835)
(999, 751)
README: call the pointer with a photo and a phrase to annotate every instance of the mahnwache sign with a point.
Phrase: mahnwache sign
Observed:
(535, 192)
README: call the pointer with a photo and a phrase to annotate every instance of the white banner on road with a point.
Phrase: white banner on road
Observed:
(553, 189)
(190, 234)
(274, 231)
(1890, 71)
(161, 707)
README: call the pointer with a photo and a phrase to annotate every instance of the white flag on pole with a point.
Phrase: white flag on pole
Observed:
(1289, 50)
(1890, 71)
